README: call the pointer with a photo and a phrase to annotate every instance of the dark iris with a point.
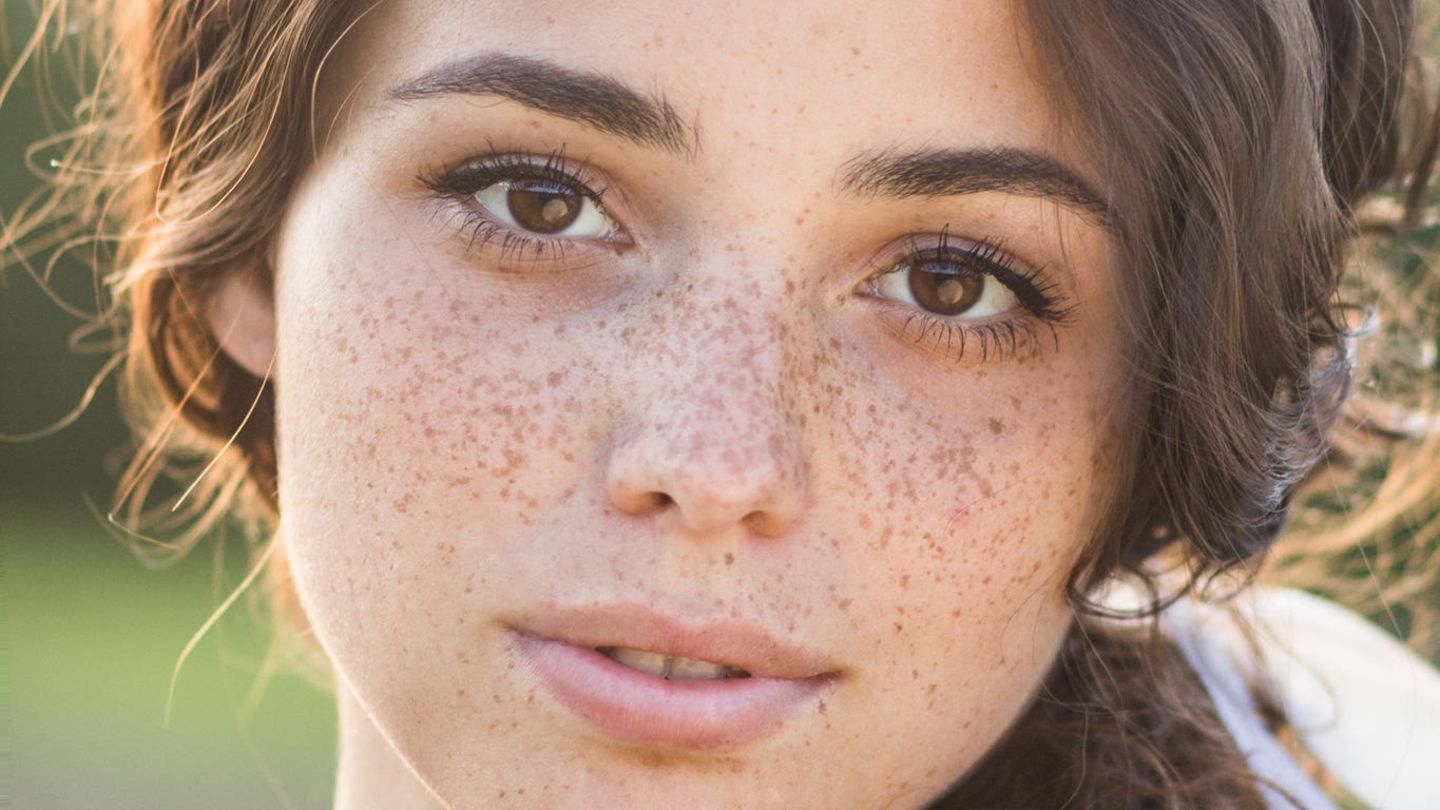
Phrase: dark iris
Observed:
(945, 288)
(542, 206)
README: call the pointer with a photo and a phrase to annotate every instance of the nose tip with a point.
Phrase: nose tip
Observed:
(714, 486)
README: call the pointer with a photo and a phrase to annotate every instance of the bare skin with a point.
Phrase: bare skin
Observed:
(714, 398)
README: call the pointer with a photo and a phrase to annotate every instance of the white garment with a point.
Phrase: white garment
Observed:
(1364, 705)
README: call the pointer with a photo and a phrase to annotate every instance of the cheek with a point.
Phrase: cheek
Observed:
(959, 528)
(407, 400)
(420, 431)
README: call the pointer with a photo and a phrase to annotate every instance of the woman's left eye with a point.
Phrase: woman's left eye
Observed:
(545, 207)
(955, 290)
(970, 293)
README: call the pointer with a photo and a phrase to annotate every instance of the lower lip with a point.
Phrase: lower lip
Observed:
(640, 707)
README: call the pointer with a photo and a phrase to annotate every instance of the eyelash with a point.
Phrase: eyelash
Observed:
(1041, 302)
(1040, 298)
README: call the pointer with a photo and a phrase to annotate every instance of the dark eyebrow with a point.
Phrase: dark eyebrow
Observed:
(594, 99)
(945, 172)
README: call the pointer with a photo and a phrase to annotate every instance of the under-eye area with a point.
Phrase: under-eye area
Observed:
(538, 213)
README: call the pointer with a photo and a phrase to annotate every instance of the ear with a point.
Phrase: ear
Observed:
(241, 315)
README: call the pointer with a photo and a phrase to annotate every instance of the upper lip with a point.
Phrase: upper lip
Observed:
(720, 640)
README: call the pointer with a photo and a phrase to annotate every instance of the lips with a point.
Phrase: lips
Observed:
(726, 641)
(560, 649)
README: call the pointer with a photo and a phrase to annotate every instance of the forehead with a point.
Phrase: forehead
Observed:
(808, 78)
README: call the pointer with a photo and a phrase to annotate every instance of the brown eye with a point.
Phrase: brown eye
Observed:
(948, 288)
(939, 288)
(545, 207)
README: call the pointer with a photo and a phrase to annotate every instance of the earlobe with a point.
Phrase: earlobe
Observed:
(241, 315)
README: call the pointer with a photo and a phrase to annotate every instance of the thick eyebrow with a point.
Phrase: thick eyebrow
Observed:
(946, 172)
(593, 99)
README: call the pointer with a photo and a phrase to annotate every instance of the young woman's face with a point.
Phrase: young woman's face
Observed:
(788, 323)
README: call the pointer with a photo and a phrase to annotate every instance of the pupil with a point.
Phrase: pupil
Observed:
(543, 207)
(947, 292)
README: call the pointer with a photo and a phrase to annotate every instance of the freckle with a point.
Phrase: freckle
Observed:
(996, 426)
(729, 558)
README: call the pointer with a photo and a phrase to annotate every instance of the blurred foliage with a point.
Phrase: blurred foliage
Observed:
(41, 377)
(88, 636)
(93, 639)
(1366, 528)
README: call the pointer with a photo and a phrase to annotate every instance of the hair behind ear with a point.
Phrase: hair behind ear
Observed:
(1365, 44)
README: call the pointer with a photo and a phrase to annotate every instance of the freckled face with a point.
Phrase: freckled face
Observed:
(726, 359)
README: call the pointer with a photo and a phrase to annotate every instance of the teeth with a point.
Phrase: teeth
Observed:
(653, 663)
(672, 667)
(686, 669)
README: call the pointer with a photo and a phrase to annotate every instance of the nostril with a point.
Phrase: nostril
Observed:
(640, 500)
(767, 524)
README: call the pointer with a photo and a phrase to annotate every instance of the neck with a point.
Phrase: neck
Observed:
(372, 773)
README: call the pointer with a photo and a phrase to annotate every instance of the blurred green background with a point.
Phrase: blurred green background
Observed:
(88, 635)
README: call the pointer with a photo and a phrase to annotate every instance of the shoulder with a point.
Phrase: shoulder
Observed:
(1362, 703)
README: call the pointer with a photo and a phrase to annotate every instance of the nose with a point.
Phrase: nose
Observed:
(715, 449)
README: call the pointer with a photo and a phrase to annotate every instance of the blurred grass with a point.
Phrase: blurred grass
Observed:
(93, 639)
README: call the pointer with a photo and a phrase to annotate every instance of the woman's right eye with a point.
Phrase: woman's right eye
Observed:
(536, 209)
(545, 207)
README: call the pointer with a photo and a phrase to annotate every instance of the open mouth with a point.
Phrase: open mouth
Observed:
(671, 667)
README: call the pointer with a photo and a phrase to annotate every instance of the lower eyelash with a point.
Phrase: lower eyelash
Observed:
(513, 244)
(1016, 337)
